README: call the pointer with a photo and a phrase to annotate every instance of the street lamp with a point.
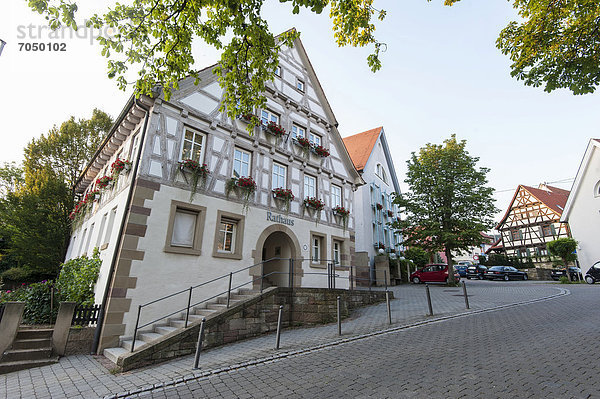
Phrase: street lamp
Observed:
(2, 43)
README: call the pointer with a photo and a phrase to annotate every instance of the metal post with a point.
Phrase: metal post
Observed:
(291, 271)
(199, 346)
(51, 301)
(351, 277)
(407, 271)
(333, 275)
(389, 309)
(385, 279)
(262, 275)
(339, 319)
(429, 299)
(137, 323)
(279, 327)
(187, 310)
(370, 279)
(329, 275)
(464, 284)
(229, 289)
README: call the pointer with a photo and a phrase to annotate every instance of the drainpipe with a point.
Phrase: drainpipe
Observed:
(100, 324)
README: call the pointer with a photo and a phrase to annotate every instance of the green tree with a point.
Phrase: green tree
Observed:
(37, 199)
(77, 278)
(155, 39)
(448, 203)
(418, 256)
(564, 248)
(554, 44)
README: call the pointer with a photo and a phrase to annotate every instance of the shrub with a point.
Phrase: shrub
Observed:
(77, 278)
(37, 302)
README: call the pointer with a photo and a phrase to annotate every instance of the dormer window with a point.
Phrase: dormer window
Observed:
(300, 85)
(380, 172)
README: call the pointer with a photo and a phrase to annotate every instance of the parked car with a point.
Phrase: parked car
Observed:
(432, 273)
(593, 274)
(504, 273)
(476, 271)
(556, 274)
(465, 263)
(461, 269)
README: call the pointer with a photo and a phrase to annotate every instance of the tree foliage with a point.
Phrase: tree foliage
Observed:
(36, 199)
(564, 248)
(555, 44)
(418, 256)
(448, 203)
(155, 38)
(77, 278)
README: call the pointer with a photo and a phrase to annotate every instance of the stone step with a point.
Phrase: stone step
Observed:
(248, 291)
(177, 323)
(223, 300)
(203, 312)
(239, 297)
(35, 343)
(34, 333)
(216, 306)
(16, 355)
(148, 336)
(113, 354)
(164, 329)
(9, 367)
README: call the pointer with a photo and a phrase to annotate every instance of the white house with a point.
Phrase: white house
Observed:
(157, 239)
(373, 208)
(582, 210)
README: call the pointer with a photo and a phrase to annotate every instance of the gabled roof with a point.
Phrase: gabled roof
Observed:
(593, 144)
(361, 145)
(495, 246)
(554, 198)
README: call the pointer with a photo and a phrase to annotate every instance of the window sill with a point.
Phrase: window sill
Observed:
(227, 255)
(318, 265)
(183, 251)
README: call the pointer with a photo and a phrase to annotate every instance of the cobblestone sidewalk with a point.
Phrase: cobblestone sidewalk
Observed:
(85, 376)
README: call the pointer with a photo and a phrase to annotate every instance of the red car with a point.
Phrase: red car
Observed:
(435, 273)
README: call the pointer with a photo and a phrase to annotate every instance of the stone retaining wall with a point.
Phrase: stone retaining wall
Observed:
(255, 316)
(80, 341)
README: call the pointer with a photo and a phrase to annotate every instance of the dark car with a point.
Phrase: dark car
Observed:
(575, 273)
(593, 274)
(504, 273)
(434, 273)
(476, 271)
(461, 269)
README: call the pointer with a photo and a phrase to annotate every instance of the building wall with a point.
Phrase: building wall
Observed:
(584, 218)
(371, 223)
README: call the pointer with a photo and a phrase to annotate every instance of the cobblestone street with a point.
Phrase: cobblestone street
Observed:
(512, 351)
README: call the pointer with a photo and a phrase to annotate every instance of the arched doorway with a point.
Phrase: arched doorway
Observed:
(276, 253)
(280, 242)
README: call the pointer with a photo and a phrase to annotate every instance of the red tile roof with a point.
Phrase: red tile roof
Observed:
(555, 198)
(495, 246)
(361, 145)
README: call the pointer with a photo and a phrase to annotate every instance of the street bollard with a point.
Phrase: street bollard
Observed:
(339, 319)
(199, 347)
(385, 279)
(429, 300)
(389, 309)
(465, 294)
(279, 327)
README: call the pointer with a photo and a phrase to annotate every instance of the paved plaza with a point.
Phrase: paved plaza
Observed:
(511, 343)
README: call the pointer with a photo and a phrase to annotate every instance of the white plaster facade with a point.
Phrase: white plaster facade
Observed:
(582, 210)
(145, 202)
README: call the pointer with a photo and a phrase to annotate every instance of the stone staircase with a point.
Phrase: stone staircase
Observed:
(146, 338)
(31, 348)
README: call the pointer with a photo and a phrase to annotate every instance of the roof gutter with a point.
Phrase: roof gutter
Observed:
(100, 324)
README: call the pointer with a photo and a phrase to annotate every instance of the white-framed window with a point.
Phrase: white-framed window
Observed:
(185, 228)
(300, 85)
(134, 145)
(193, 146)
(241, 163)
(111, 222)
(314, 138)
(310, 186)
(279, 176)
(337, 252)
(380, 172)
(89, 239)
(101, 231)
(226, 237)
(316, 249)
(278, 71)
(298, 131)
(82, 242)
(267, 116)
(336, 196)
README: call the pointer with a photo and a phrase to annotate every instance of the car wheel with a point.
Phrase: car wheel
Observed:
(589, 280)
(468, 278)
(416, 280)
(506, 277)
(524, 277)
(480, 277)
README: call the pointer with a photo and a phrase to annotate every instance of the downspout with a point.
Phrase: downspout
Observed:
(100, 323)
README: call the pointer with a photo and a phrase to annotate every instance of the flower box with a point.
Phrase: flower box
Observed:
(390, 213)
(284, 194)
(379, 245)
(341, 211)
(378, 206)
(314, 203)
(249, 118)
(321, 151)
(274, 129)
(193, 167)
(104, 181)
(92, 196)
(120, 165)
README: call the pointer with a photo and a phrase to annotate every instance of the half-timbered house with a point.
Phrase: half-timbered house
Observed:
(531, 221)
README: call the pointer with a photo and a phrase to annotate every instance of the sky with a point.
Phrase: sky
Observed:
(442, 74)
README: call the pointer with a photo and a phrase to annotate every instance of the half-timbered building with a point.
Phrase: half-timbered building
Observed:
(180, 194)
(531, 221)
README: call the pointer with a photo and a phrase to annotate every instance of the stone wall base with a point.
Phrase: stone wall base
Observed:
(255, 316)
